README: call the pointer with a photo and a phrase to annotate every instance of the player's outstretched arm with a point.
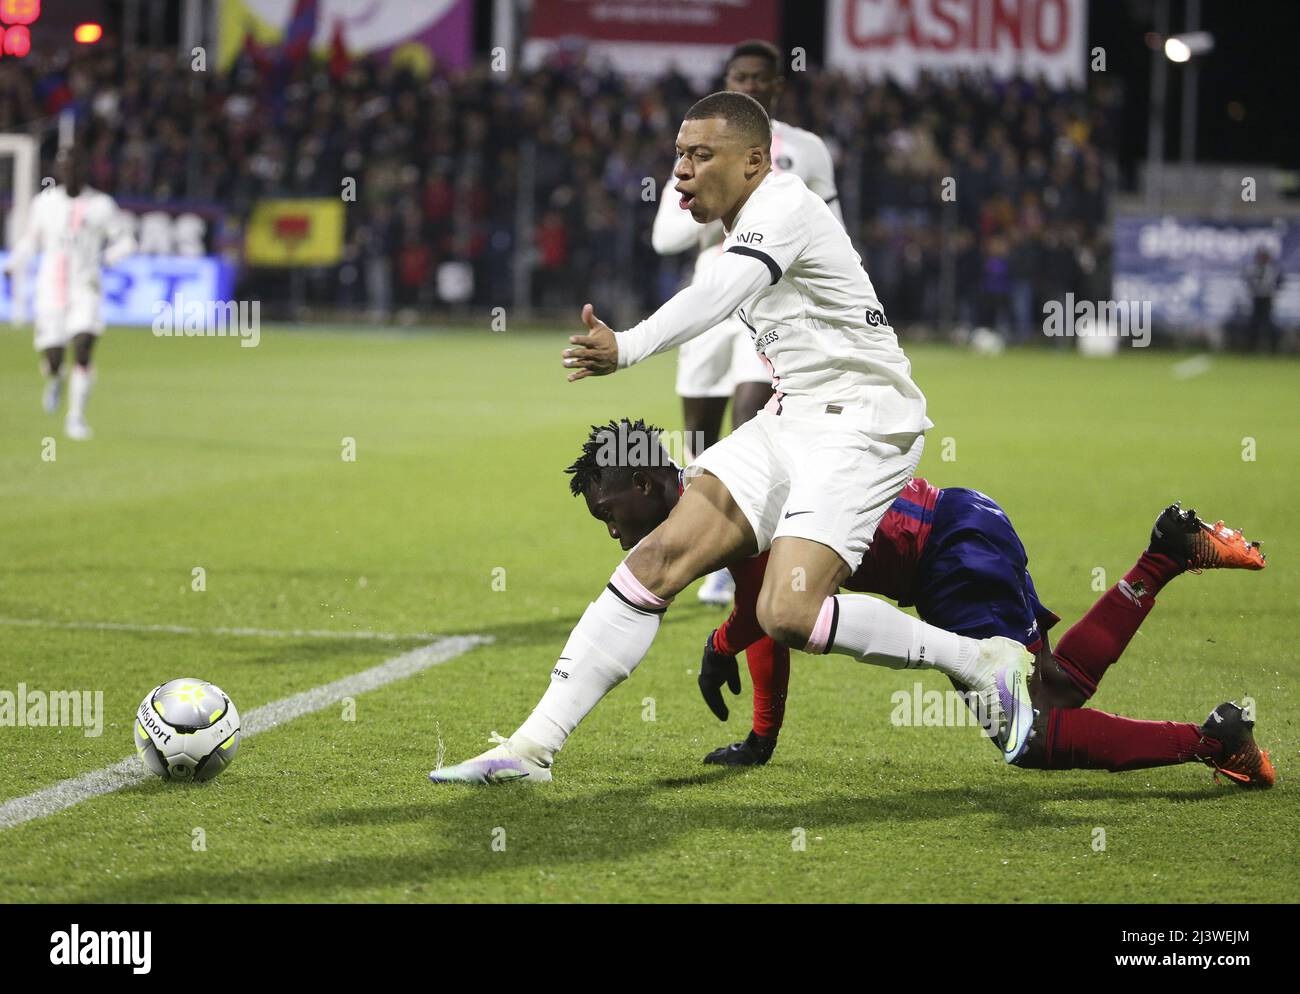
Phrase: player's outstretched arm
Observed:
(120, 242)
(597, 351)
(692, 311)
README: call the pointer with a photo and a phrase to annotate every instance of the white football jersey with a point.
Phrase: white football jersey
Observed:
(75, 236)
(819, 323)
(793, 151)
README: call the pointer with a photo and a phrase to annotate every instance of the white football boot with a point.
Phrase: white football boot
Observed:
(718, 589)
(500, 764)
(77, 428)
(999, 695)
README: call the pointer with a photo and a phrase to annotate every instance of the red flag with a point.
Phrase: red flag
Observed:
(257, 52)
(339, 60)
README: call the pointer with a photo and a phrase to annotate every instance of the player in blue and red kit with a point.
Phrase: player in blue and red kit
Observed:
(953, 553)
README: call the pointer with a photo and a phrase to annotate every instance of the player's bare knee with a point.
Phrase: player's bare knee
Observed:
(82, 347)
(658, 562)
(649, 563)
(787, 620)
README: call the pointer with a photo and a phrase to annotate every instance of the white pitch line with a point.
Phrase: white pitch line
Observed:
(1197, 365)
(289, 633)
(50, 800)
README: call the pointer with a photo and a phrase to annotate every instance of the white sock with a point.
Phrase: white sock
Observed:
(606, 645)
(79, 384)
(875, 632)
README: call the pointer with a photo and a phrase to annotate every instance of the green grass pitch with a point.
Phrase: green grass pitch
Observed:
(230, 459)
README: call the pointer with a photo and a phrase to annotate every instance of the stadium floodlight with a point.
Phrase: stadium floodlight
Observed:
(1181, 48)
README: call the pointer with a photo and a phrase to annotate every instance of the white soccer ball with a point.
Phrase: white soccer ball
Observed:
(986, 341)
(186, 729)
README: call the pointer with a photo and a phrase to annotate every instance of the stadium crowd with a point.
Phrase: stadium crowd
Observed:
(971, 201)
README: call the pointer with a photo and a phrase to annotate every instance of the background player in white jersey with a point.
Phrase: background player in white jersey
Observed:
(722, 363)
(76, 229)
(809, 477)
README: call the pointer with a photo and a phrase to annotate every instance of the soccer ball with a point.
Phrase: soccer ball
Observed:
(986, 341)
(186, 729)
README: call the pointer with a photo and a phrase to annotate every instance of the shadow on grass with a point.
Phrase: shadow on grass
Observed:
(593, 826)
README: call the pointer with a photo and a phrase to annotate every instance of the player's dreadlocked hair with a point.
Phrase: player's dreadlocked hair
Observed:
(614, 450)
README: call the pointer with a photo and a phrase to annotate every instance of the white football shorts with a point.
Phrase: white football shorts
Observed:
(817, 476)
(56, 326)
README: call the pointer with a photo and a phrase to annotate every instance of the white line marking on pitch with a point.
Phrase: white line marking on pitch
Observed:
(291, 633)
(1197, 365)
(50, 800)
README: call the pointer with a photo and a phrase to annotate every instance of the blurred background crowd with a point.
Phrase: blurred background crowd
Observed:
(470, 182)
(556, 170)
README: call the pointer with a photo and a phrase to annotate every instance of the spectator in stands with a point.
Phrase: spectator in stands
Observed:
(1032, 168)
(1263, 280)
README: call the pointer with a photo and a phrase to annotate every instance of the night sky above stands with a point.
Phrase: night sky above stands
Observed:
(1247, 107)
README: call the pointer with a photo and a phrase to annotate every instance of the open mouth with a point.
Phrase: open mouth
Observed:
(687, 200)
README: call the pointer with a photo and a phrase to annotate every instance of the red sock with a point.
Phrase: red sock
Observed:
(769, 669)
(1101, 636)
(741, 629)
(1087, 739)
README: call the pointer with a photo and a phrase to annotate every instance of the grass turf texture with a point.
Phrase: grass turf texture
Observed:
(227, 458)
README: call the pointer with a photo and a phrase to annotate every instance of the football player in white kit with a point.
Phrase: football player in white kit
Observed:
(808, 478)
(722, 363)
(76, 229)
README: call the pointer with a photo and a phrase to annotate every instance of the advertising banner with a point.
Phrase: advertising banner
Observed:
(650, 37)
(134, 289)
(1193, 270)
(900, 39)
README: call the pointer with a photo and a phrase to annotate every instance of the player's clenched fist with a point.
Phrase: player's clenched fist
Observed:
(597, 351)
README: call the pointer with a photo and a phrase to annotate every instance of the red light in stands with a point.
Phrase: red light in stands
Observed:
(15, 15)
(17, 41)
(20, 11)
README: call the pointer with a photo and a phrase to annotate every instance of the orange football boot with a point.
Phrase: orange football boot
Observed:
(1197, 546)
(1243, 762)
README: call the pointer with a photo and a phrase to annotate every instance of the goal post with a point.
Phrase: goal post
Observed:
(20, 154)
